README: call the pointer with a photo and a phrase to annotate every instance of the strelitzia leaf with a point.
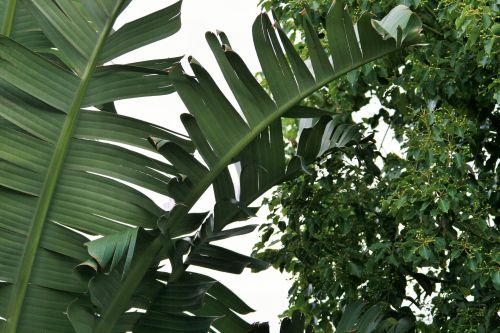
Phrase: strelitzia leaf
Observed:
(80, 317)
(175, 323)
(218, 258)
(111, 249)
(260, 150)
(218, 302)
(65, 169)
(251, 136)
(143, 31)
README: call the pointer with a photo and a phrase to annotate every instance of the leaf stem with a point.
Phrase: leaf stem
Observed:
(428, 27)
(19, 288)
(385, 135)
(8, 18)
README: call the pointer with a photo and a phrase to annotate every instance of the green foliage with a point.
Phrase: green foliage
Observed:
(420, 234)
(67, 169)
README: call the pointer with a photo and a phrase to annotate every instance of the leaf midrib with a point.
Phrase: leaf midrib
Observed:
(19, 288)
(8, 18)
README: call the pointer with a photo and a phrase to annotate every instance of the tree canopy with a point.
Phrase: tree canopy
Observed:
(416, 231)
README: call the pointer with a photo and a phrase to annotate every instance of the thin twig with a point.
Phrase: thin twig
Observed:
(428, 27)
(385, 134)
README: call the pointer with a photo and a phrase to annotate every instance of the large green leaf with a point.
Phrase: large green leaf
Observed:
(19, 24)
(252, 138)
(255, 140)
(198, 294)
(66, 169)
(219, 302)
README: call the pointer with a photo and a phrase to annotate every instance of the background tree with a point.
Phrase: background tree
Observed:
(418, 232)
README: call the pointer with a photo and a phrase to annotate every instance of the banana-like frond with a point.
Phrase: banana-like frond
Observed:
(66, 168)
(253, 140)
(223, 136)
(212, 303)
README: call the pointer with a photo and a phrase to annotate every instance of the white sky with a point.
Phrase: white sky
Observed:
(267, 291)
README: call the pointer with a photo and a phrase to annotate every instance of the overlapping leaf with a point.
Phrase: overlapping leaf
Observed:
(198, 294)
(252, 138)
(66, 168)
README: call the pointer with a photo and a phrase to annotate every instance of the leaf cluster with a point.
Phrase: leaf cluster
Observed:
(417, 232)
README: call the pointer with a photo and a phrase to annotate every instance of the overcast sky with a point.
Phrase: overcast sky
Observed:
(266, 291)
